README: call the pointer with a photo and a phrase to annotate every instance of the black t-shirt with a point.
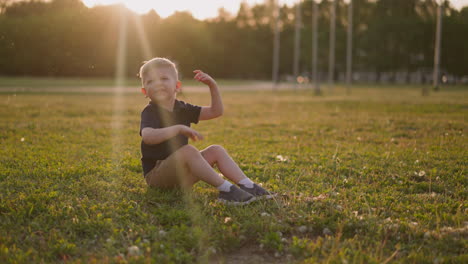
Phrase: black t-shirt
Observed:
(155, 116)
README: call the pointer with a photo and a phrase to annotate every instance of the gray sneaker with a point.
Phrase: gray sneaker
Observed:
(258, 192)
(235, 196)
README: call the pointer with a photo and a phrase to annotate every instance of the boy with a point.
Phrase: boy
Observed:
(168, 161)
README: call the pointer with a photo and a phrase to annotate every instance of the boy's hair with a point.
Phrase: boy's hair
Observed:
(156, 63)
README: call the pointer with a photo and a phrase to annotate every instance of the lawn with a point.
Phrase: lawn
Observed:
(64, 83)
(374, 177)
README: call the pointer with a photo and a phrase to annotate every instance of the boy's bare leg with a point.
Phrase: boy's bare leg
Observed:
(198, 167)
(186, 166)
(217, 155)
(183, 168)
(201, 169)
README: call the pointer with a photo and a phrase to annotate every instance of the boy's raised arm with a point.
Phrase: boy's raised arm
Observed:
(216, 108)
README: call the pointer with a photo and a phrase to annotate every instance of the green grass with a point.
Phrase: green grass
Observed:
(63, 83)
(378, 176)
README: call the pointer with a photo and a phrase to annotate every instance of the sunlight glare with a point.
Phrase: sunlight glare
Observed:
(199, 9)
(118, 91)
(208, 8)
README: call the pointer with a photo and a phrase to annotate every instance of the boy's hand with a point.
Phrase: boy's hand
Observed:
(190, 133)
(204, 78)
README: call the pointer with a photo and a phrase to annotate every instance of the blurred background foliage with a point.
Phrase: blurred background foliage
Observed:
(66, 38)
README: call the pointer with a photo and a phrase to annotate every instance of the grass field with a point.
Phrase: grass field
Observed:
(375, 177)
(63, 83)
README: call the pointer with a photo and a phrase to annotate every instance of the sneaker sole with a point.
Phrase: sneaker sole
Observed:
(236, 203)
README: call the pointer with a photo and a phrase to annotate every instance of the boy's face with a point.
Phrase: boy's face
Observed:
(161, 84)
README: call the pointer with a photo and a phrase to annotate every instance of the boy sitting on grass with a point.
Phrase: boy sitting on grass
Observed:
(168, 161)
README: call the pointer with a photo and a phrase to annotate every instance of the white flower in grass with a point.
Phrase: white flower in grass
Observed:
(22, 139)
(327, 231)
(302, 229)
(427, 235)
(281, 158)
(212, 250)
(133, 251)
(421, 173)
(227, 220)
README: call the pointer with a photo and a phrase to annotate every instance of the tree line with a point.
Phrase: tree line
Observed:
(66, 38)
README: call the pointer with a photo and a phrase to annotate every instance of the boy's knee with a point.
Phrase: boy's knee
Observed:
(188, 151)
(216, 149)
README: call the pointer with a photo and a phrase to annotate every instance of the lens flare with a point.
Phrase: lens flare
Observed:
(119, 83)
(194, 210)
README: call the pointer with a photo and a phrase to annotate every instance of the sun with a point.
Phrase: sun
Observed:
(201, 10)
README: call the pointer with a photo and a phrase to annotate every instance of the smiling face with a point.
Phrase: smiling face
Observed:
(161, 85)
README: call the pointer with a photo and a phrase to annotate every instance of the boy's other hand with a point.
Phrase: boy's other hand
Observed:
(204, 78)
(190, 133)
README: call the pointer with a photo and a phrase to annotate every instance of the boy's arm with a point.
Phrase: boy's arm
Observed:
(216, 108)
(153, 136)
